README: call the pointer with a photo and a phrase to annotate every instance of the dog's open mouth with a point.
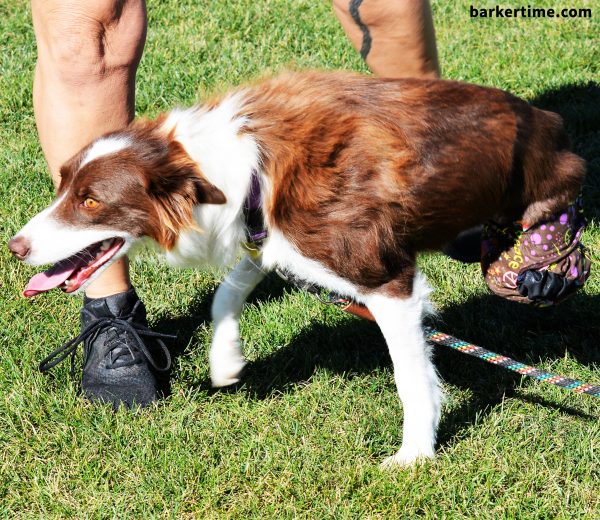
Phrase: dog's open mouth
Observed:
(70, 274)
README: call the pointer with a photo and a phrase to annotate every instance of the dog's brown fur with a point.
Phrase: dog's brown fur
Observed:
(358, 175)
(366, 172)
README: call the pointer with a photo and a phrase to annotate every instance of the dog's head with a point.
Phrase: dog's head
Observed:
(122, 187)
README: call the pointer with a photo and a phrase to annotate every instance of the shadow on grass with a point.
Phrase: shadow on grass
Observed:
(527, 334)
(356, 347)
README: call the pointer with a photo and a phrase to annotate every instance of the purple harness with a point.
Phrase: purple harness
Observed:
(256, 230)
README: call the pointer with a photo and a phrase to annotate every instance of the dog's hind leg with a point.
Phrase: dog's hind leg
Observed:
(558, 189)
(416, 379)
(226, 359)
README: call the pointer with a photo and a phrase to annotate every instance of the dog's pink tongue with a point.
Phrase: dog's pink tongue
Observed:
(50, 279)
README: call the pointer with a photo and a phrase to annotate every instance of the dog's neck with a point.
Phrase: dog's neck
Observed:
(227, 156)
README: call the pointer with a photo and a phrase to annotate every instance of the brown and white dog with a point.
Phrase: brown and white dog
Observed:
(357, 175)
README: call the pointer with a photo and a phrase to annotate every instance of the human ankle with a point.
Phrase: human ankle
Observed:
(114, 280)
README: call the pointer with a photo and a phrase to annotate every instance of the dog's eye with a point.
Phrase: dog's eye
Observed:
(90, 203)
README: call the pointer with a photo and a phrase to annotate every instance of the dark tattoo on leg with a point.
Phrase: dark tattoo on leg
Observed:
(366, 43)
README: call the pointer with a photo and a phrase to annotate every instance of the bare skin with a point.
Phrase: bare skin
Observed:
(395, 37)
(88, 53)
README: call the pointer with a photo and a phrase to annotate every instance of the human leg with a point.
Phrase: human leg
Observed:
(396, 38)
(88, 53)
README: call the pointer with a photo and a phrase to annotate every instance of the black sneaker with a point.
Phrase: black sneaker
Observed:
(118, 366)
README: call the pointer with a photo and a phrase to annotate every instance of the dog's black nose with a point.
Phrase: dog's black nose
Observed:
(19, 246)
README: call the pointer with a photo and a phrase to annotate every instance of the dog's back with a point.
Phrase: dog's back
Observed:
(425, 159)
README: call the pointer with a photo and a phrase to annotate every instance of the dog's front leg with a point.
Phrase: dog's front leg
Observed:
(416, 379)
(226, 359)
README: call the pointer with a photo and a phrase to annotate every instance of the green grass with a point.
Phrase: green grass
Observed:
(317, 411)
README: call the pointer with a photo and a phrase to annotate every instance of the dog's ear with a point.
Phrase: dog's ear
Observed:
(174, 176)
(207, 193)
(176, 184)
(186, 174)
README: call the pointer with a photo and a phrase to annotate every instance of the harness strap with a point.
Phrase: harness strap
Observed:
(256, 231)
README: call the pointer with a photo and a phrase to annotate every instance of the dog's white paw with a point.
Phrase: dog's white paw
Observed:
(226, 364)
(407, 457)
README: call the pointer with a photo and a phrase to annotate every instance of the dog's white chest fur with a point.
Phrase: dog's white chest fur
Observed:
(227, 158)
(278, 252)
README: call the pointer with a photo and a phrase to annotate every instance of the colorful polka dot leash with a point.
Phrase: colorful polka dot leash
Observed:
(441, 338)
(465, 347)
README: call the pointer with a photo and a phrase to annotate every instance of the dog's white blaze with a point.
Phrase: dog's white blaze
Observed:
(105, 146)
(227, 158)
(400, 321)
